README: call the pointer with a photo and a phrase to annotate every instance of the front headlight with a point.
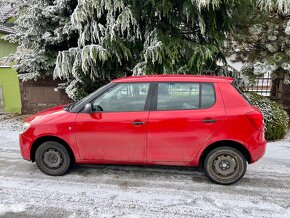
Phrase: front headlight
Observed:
(25, 127)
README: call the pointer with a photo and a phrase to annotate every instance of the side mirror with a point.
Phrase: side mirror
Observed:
(88, 108)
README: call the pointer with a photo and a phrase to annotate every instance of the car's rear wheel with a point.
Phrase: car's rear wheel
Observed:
(225, 165)
(52, 158)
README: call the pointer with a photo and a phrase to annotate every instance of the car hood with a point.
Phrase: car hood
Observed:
(47, 114)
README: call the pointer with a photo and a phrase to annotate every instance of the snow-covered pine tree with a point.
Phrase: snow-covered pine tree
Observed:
(43, 29)
(281, 6)
(263, 40)
(93, 41)
(131, 37)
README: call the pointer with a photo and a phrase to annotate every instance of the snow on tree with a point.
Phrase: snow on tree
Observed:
(129, 37)
(263, 40)
(283, 6)
(89, 42)
(43, 29)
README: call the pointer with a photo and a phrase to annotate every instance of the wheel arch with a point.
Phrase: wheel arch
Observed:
(43, 139)
(229, 143)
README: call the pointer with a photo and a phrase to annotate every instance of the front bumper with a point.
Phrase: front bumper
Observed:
(25, 146)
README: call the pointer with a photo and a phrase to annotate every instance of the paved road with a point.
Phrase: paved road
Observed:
(130, 191)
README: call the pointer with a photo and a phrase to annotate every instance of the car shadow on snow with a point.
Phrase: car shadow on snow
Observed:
(131, 174)
(139, 172)
(134, 175)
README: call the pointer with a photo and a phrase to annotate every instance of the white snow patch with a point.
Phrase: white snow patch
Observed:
(15, 208)
(131, 191)
(279, 149)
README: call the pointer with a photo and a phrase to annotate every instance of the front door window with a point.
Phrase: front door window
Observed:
(123, 97)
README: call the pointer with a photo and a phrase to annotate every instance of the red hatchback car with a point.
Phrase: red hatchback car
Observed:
(151, 120)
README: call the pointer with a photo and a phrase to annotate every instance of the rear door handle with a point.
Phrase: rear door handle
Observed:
(209, 121)
(137, 123)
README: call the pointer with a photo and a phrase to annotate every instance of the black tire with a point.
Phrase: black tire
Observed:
(52, 158)
(225, 165)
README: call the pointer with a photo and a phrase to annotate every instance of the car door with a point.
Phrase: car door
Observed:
(118, 132)
(183, 117)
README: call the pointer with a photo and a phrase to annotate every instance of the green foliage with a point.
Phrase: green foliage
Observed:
(11, 20)
(88, 41)
(98, 40)
(281, 6)
(118, 38)
(42, 31)
(262, 39)
(276, 118)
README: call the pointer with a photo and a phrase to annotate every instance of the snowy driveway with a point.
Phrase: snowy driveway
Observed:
(130, 191)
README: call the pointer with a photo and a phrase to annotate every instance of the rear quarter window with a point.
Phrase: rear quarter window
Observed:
(207, 95)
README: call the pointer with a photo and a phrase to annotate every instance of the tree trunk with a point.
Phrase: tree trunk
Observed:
(280, 92)
(285, 97)
(276, 88)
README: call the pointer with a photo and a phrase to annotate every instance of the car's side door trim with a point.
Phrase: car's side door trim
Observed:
(153, 99)
(150, 93)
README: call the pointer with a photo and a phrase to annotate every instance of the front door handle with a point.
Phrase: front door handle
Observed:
(209, 121)
(138, 123)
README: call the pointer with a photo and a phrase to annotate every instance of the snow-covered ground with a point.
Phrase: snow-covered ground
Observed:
(132, 191)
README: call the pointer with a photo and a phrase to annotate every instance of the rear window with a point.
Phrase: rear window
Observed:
(185, 96)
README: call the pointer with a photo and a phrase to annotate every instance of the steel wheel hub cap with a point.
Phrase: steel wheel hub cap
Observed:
(52, 158)
(225, 165)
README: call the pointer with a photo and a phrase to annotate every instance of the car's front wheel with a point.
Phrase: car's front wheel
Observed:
(225, 165)
(52, 158)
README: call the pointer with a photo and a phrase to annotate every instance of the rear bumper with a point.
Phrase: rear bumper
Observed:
(25, 146)
(257, 151)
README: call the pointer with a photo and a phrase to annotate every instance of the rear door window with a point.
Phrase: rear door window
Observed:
(185, 96)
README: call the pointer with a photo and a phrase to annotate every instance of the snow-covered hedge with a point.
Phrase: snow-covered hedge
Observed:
(275, 116)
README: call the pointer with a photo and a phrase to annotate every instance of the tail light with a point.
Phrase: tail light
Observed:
(256, 118)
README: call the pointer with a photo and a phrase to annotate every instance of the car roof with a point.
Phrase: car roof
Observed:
(174, 78)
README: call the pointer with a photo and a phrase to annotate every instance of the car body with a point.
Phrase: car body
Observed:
(151, 120)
